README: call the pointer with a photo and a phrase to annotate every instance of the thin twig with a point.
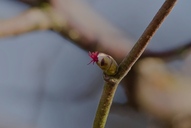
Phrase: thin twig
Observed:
(143, 41)
(125, 66)
(104, 105)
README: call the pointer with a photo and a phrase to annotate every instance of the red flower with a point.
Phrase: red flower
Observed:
(94, 56)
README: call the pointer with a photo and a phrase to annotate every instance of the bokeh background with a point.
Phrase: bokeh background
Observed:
(44, 78)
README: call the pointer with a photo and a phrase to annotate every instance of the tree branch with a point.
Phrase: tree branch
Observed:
(125, 66)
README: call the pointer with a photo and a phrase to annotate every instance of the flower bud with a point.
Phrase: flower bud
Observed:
(105, 62)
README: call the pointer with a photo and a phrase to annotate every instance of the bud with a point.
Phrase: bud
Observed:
(105, 62)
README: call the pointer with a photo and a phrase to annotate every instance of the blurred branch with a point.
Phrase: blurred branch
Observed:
(170, 54)
(68, 17)
(112, 82)
(35, 2)
(32, 19)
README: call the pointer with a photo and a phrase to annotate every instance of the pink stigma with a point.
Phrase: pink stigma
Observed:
(94, 57)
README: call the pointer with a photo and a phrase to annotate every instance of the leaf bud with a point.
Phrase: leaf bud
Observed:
(105, 62)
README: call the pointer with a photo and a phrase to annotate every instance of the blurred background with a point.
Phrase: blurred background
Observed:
(45, 81)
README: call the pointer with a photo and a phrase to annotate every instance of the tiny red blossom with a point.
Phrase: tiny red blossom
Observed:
(94, 56)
